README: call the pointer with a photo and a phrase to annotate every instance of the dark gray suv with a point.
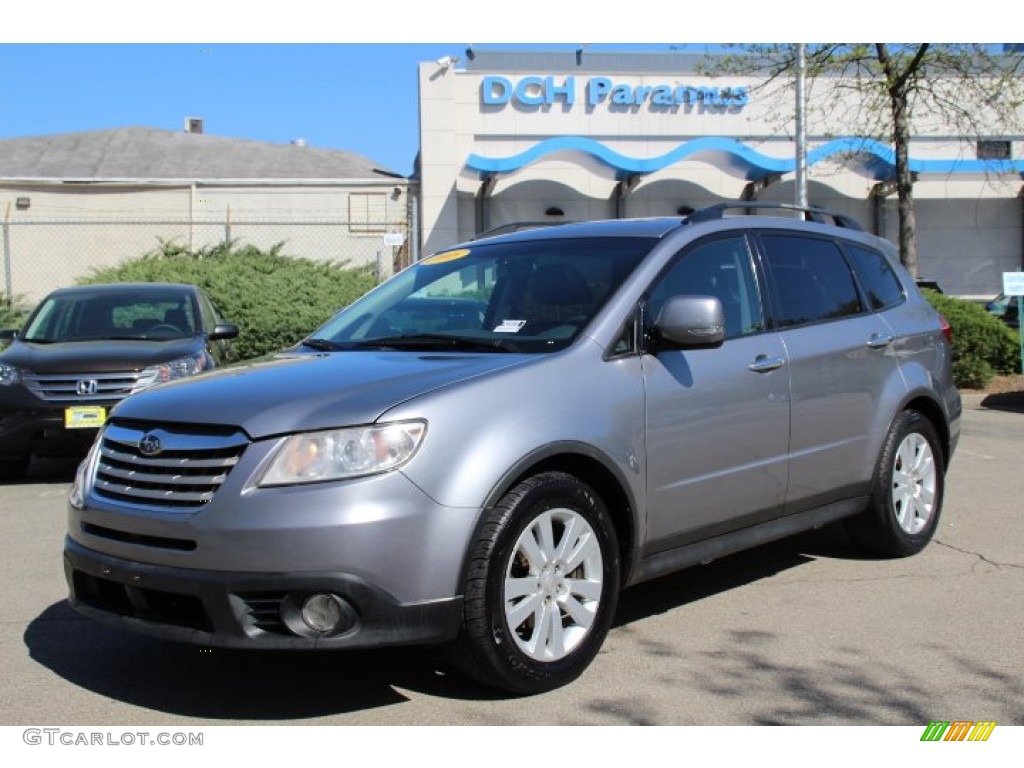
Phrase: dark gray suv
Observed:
(86, 347)
(486, 449)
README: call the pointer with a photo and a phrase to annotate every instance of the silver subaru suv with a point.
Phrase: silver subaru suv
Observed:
(486, 449)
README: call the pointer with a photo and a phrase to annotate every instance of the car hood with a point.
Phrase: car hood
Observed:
(297, 393)
(95, 356)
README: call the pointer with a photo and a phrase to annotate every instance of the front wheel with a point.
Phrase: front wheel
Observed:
(541, 587)
(907, 491)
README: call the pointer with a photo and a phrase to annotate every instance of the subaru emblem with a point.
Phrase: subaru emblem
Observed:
(150, 445)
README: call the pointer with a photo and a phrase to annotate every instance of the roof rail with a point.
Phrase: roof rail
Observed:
(516, 226)
(818, 215)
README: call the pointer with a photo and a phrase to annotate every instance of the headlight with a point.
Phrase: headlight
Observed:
(343, 453)
(84, 474)
(9, 375)
(176, 369)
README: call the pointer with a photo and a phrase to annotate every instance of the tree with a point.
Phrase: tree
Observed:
(972, 90)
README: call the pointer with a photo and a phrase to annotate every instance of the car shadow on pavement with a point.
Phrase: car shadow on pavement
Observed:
(1005, 401)
(699, 582)
(218, 684)
(47, 471)
(222, 684)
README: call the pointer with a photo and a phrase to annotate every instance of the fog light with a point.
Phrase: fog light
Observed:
(322, 612)
(319, 615)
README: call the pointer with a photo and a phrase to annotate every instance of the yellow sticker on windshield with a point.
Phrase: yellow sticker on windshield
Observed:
(441, 258)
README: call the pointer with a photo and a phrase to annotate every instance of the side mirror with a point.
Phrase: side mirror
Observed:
(7, 335)
(691, 321)
(223, 331)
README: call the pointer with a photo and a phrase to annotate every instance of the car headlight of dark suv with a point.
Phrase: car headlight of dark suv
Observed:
(9, 375)
(181, 368)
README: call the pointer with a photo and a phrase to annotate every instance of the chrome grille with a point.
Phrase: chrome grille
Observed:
(86, 387)
(183, 474)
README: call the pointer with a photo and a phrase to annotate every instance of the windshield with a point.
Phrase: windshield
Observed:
(90, 315)
(531, 296)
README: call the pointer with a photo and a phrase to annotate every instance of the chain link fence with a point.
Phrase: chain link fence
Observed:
(41, 255)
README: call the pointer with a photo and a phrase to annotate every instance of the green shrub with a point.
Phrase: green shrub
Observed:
(983, 346)
(972, 373)
(13, 311)
(274, 299)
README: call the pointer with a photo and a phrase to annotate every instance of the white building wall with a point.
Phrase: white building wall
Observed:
(68, 230)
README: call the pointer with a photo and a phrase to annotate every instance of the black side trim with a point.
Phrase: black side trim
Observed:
(727, 544)
(551, 450)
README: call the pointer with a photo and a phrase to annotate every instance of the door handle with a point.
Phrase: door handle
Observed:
(880, 340)
(763, 364)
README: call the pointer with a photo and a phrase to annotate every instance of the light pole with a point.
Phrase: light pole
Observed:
(801, 127)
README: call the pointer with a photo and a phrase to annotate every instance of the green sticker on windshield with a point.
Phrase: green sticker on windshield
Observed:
(441, 258)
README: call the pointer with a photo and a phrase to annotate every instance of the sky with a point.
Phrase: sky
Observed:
(335, 74)
(359, 98)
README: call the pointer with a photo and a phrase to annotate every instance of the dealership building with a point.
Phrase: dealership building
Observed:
(508, 138)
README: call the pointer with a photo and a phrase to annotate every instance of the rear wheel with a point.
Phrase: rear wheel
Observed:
(908, 490)
(541, 588)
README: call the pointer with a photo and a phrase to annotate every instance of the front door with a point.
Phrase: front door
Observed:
(717, 419)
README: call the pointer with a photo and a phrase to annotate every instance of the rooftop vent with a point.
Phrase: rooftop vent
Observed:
(193, 125)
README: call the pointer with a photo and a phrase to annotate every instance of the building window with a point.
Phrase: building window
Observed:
(367, 212)
(989, 149)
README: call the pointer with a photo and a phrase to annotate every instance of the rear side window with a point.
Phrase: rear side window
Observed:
(810, 279)
(877, 278)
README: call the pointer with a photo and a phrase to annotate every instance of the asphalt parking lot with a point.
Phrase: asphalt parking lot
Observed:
(804, 632)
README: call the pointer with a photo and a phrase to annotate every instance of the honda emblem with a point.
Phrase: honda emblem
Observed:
(87, 387)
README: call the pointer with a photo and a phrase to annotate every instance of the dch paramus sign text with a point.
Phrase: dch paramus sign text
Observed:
(546, 90)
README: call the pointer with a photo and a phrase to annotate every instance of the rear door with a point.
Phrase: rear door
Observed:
(842, 365)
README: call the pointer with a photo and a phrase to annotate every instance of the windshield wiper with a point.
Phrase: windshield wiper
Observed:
(439, 340)
(324, 345)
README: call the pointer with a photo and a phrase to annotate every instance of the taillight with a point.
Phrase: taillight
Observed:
(947, 329)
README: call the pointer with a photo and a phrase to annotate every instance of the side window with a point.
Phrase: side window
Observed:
(810, 278)
(210, 314)
(626, 343)
(720, 268)
(876, 276)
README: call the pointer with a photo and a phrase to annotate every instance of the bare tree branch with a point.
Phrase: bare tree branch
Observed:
(888, 90)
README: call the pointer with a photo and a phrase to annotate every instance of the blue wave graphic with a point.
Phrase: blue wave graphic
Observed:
(724, 153)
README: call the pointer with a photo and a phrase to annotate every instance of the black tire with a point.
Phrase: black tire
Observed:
(906, 501)
(522, 658)
(14, 468)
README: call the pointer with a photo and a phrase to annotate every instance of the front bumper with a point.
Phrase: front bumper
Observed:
(40, 430)
(245, 610)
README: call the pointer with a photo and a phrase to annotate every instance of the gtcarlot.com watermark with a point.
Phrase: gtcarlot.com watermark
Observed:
(69, 737)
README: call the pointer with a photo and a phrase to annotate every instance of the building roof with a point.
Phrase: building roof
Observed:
(583, 60)
(140, 153)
